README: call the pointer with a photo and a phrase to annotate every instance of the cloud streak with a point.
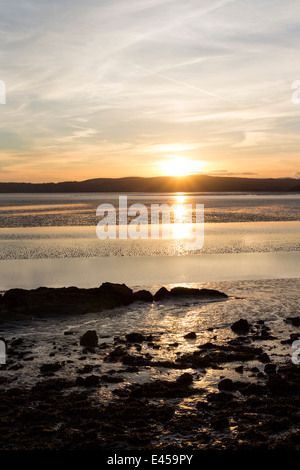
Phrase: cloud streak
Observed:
(95, 87)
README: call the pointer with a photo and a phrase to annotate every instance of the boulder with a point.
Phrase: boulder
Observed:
(120, 294)
(89, 381)
(179, 291)
(192, 292)
(240, 326)
(135, 338)
(185, 379)
(295, 321)
(89, 339)
(270, 369)
(226, 384)
(162, 293)
(50, 368)
(67, 300)
(191, 335)
(143, 296)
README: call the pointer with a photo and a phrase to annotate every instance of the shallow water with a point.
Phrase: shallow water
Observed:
(82, 242)
(270, 300)
(44, 210)
(50, 239)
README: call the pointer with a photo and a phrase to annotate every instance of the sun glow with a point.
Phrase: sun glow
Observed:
(180, 166)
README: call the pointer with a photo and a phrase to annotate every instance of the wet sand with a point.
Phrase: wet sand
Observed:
(137, 391)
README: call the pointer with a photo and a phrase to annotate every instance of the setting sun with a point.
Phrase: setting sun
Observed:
(180, 166)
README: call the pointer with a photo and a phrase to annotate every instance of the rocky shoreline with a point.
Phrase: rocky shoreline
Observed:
(65, 411)
(72, 300)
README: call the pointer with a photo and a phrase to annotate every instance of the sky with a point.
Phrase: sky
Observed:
(114, 88)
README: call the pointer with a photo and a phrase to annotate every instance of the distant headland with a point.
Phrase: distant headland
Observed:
(191, 183)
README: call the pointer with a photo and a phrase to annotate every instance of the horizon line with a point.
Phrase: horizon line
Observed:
(159, 176)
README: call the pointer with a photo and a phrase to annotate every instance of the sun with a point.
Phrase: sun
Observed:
(180, 166)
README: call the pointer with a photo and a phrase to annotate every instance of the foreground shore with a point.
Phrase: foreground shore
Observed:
(99, 393)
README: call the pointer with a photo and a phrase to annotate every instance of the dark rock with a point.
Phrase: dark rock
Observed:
(50, 368)
(131, 369)
(149, 338)
(16, 342)
(190, 292)
(135, 338)
(86, 369)
(185, 379)
(206, 346)
(295, 321)
(116, 354)
(293, 337)
(191, 335)
(111, 379)
(91, 381)
(73, 300)
(120, 293)
(79, 381)
(229, 385)
(67, 300)
(226, 384)
(264, 358)
(270, 368)
(221, 397)
(161, 294)
(211, 294)
(130, 360)
(143, 296)
(89, 339)
(240, 326)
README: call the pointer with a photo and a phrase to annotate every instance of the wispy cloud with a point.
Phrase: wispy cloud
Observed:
(96, 87)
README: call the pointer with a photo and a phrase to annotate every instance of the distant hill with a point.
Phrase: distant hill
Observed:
(193, 183)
